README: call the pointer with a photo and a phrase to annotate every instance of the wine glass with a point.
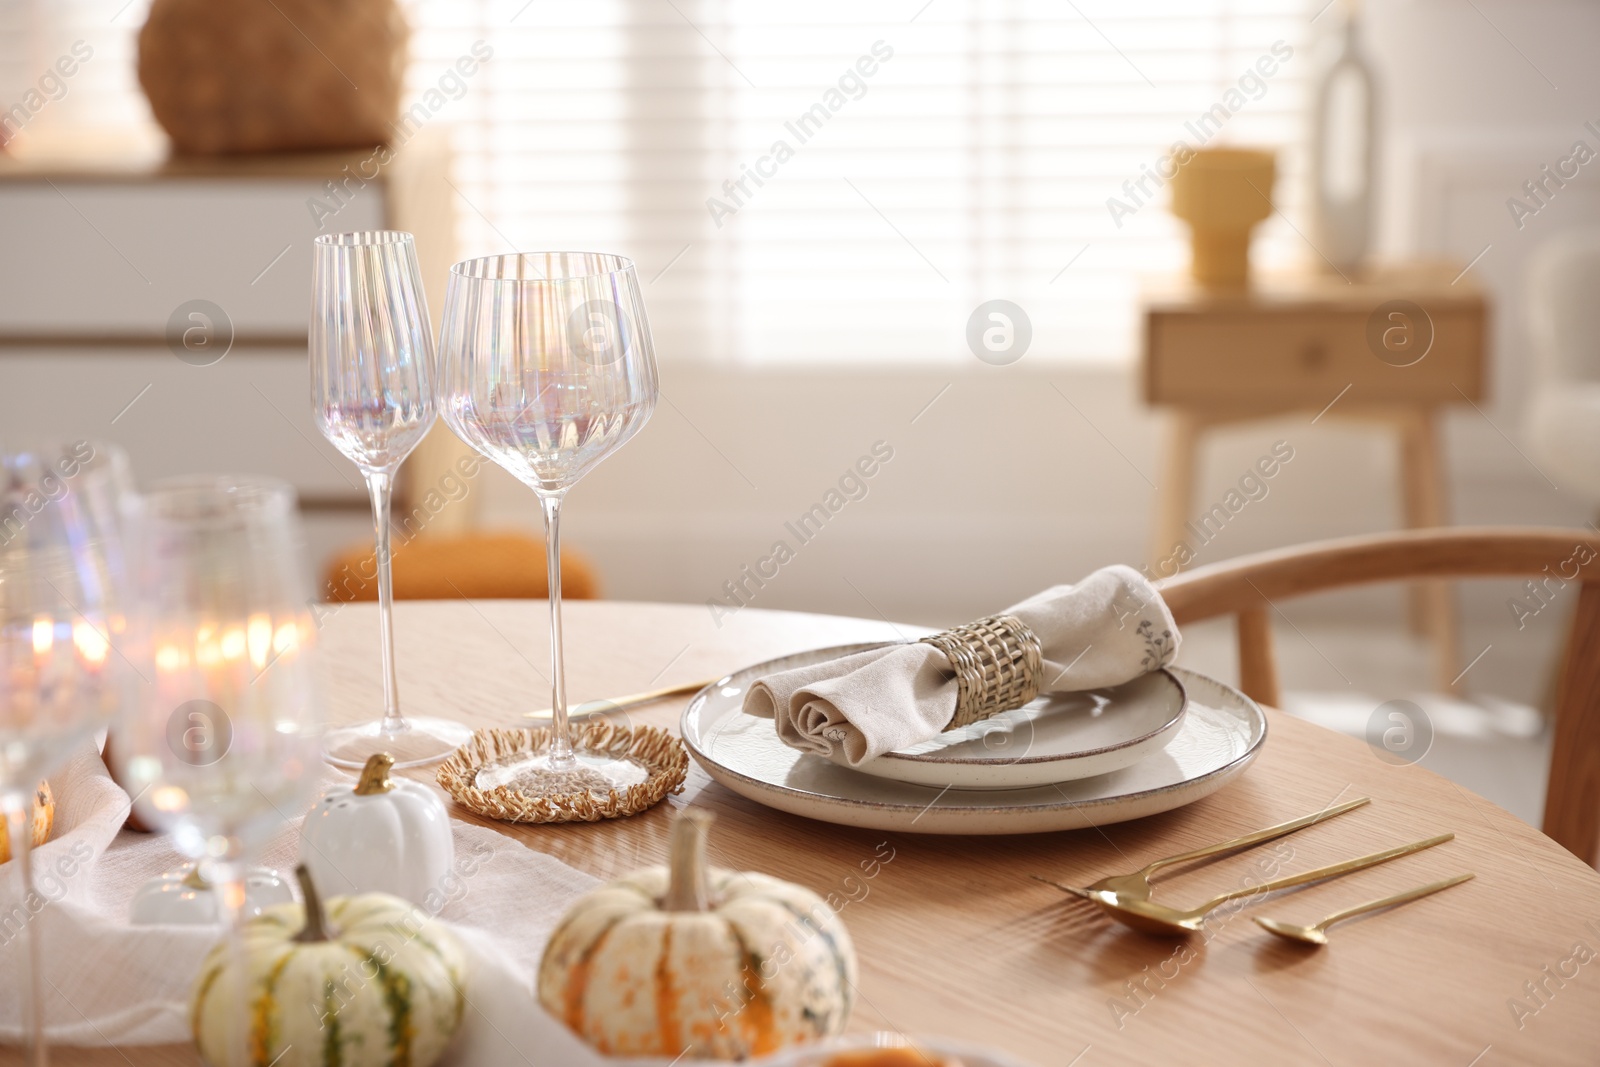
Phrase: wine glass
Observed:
(60, 610)
(372, 392)
(546, 367)
(221, 746)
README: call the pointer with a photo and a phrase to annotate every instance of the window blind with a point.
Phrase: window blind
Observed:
(831, 182)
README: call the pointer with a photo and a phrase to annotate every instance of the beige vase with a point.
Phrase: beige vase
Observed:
(239, 76)
(1222, 193)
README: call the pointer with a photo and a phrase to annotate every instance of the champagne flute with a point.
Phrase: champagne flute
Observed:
(59, 679)
(221, 748)
(547, 368)
(372, 390)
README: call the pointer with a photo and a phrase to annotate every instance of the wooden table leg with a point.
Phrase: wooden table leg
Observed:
(1175, 493)
(1422, 495)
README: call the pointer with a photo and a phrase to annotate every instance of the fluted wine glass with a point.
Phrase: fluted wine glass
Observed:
(61, 676)
(372, 391)
(547, 367)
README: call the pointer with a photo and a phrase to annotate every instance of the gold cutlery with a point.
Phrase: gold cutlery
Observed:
(1146, 915)
(1316, 933)
(1136, 886)
(632, 700)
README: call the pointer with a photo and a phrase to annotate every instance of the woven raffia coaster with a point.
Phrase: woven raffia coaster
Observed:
(655, 749)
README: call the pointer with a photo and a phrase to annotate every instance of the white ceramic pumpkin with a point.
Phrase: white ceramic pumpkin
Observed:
(720, 963)
(382, 835)
(370, 981)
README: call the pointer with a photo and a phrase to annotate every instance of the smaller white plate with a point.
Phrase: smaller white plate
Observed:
(1059, 737)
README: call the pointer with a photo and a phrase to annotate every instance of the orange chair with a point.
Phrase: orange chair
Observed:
(448, 567)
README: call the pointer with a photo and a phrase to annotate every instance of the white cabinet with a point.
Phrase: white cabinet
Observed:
(164, 305)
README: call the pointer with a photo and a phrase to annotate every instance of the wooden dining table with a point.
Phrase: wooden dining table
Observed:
(956, 939)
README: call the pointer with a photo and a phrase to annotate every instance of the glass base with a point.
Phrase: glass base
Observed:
(419, 741)
(536, 776)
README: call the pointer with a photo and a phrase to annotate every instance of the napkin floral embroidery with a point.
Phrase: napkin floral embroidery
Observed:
(1158, 647)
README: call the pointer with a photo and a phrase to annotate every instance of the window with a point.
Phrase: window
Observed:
(844, 182)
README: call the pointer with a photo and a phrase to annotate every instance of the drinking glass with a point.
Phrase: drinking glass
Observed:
(60, 678)
(546, 367)
(372, 391)
(221, 747)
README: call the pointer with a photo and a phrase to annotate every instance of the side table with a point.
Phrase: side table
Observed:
(1394, 345)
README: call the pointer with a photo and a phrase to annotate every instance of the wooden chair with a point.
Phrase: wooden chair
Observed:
(1249, 588)
(477, 566)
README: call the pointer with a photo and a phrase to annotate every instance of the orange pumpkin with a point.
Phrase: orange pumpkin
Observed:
(686, 958)
(44, 817)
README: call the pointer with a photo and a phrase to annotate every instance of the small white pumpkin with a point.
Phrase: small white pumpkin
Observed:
(382, 835)
(182, 896)
(718, 963)
(370, 982)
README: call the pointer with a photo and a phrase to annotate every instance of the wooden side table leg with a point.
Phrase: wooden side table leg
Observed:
(1175, 494)
(1423, 501)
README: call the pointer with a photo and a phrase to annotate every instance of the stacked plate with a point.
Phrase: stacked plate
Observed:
(1063, 762)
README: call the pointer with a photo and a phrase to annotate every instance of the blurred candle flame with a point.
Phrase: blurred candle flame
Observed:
(44, 636)
(91, 643)
(171, 658)
(286, 639)
(258, 635)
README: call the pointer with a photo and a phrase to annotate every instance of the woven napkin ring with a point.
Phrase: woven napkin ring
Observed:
(996, 661)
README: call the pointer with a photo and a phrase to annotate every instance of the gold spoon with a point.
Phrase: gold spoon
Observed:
(1316, 933)
(595, 707)
(1136, 886)
(1152, 918)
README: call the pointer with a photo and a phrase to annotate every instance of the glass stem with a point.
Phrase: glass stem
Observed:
(561, 757)
(19, 828)
(380, 485)
(227, 882)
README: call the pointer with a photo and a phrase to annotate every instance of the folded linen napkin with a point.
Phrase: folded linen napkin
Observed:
(1108, 629)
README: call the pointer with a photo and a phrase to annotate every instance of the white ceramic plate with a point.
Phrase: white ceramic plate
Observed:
(1060, 737)
(1220, 733)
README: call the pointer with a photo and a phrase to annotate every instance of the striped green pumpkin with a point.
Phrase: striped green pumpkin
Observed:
(369, 982)
(721, 964)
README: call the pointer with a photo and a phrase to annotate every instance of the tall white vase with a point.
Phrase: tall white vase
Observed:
(1344, 143)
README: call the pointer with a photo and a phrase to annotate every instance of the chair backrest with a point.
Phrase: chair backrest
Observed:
(1563, 277)
(470, 566)
(1248, 588)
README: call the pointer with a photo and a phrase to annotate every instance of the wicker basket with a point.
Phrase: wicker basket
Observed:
(239, 76)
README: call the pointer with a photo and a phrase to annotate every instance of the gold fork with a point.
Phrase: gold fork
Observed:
(1152, 918)
(1136, 886)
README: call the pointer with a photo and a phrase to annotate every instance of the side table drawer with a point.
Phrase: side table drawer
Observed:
(1291, 358)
